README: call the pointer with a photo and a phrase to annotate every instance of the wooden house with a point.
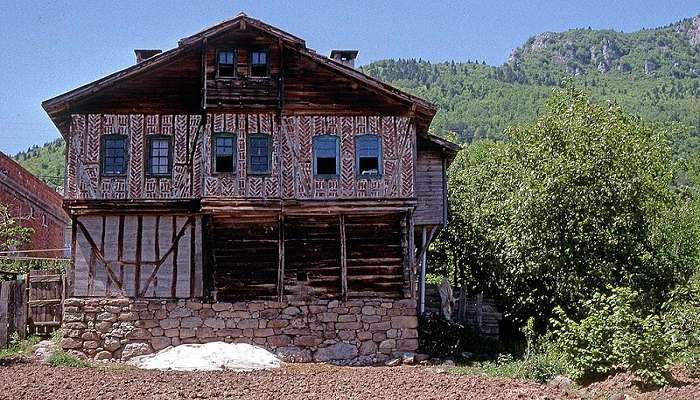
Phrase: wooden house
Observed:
(242, 187)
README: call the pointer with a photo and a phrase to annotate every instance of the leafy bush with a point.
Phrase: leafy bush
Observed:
(614, 333)
(580, 199)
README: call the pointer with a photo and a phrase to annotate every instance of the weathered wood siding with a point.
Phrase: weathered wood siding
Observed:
(310, 256)
(157, 256)
(430, 188)
(192, 175)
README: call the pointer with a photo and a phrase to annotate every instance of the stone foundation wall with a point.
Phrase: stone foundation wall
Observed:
(353, 332)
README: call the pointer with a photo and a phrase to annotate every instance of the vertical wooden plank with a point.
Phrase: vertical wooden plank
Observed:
(137, 268)
(20, 316)
(4, 300)
(193, 252)
(280, 254)
(173, 283)
(343, 260)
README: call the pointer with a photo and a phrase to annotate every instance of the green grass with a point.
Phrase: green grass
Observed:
(538, 367)
(18, 346)
(59, 358)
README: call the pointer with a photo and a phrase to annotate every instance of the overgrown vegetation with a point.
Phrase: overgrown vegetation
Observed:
(59, 357)
(580, 226)
(17, 345)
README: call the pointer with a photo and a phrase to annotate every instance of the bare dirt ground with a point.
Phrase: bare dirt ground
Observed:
(30, 380)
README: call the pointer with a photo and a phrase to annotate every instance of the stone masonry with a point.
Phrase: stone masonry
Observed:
(357, 332)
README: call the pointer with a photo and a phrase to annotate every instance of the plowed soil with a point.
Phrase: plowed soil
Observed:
(30, 380)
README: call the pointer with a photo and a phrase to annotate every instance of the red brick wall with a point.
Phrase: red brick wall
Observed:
(34, 204)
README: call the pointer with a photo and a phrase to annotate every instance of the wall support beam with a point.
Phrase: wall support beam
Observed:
(343, 260)
(423, 269)
(280, 267)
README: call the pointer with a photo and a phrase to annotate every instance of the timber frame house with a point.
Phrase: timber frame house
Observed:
(242, 167)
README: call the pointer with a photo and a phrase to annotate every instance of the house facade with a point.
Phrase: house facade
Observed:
(33, 204)
(241, 187)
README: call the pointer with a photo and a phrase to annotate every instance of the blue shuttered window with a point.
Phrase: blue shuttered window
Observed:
(224, 153)
(113, 155)
(326, 150)
(259, 154)
(159, 156)
(368, 156)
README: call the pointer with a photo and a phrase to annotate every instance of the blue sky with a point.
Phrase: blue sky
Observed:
(50, 47)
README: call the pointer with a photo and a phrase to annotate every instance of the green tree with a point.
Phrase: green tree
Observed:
(579, 200)
(12, 235)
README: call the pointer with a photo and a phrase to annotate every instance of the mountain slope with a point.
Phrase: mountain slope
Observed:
(654, 73)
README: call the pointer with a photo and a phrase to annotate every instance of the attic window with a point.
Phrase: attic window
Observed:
(326, 149)
(259, 63)
(368, 155)
(226, 64)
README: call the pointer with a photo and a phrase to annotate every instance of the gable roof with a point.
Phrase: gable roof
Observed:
(62, 103)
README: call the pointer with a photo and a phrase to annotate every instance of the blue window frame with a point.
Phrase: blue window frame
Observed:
(113, 155)
(159, 155)
(225, 64)
(368, 156)
(326, 160)
(259, 154)
(259, 63)
(224, 153)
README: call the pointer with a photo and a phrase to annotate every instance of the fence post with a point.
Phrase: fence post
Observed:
(20, 315)
(4, 300)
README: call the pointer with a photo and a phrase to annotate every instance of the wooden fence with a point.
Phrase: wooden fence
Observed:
(12, 310)
(480, 313)
(32, 305)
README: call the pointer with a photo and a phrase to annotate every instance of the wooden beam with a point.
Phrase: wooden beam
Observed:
(343, 260)
(423, 268)
(280, 256)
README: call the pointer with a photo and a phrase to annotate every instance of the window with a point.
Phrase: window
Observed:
(113, 155)
(259, 152)
(258, 63)
(159, 155)
(224, 153)
(226, 64)
(326, 160)
(368, 152)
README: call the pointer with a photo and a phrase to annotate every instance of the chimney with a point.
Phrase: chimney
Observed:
(145, 54)
(345, 57)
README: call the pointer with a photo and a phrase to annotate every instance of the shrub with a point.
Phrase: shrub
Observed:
(60, 358)
(540, 367)
(614, 333)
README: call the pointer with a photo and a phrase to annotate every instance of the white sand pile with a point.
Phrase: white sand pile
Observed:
(209, 357)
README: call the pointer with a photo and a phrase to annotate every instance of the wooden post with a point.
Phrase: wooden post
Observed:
(20, 320)
(280, 267)
(411, 253)
(343, 260)
(423, 268)
(4, 300)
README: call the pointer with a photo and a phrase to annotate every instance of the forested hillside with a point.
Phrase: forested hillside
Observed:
(45, 161)
(654, 73)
